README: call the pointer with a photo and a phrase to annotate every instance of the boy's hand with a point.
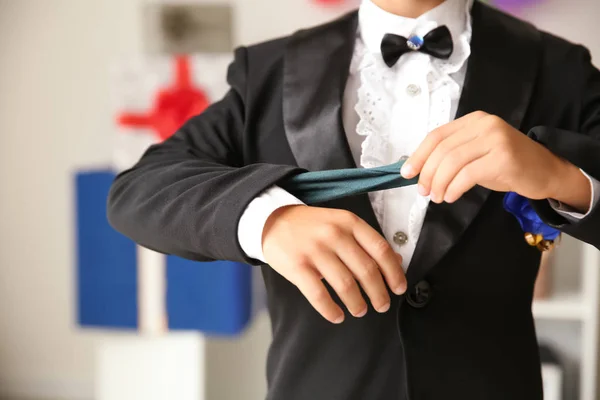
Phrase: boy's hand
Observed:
(482, 149)
(306, 244)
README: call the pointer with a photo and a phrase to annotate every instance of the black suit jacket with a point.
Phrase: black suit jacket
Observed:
(467, 332)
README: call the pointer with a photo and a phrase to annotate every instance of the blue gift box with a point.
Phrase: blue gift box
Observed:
(213, 298)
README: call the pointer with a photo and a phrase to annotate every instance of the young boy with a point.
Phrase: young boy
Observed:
(479, 103)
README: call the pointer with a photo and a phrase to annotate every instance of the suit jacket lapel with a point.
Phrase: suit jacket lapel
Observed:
(316, 68)
(501, 73)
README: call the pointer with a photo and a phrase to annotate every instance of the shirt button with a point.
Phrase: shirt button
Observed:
(400, 238)
(413, 90)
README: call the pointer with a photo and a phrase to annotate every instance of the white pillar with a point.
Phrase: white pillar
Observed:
(152, 290)
(155, 364)
(151, 368)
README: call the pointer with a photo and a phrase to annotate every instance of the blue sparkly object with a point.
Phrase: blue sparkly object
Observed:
(415, 42)
(521, 208)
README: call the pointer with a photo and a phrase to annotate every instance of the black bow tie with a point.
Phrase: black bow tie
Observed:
(437, 43)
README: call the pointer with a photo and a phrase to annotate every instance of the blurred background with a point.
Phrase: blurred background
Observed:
(80, 97)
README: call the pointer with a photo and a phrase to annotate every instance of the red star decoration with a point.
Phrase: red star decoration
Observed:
(173, 105)
(329, 2)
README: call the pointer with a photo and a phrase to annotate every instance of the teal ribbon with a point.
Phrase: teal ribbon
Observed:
(322, 186)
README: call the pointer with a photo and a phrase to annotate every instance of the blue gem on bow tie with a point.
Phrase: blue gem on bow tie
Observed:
(415, 42)
(530, 222)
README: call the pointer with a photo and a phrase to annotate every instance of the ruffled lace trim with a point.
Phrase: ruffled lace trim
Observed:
(373, 109)
(375, 102)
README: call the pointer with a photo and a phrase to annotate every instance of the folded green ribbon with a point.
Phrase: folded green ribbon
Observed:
(322, 186)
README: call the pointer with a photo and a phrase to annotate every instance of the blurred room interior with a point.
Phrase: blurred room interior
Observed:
(78, 79)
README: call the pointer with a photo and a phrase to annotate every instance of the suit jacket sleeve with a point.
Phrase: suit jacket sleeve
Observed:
(186, 195)
(581, 148)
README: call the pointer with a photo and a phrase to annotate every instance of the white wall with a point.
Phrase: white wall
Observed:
(55, 116)
(576, 20)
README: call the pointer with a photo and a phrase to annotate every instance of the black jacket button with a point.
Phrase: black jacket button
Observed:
(420, 295)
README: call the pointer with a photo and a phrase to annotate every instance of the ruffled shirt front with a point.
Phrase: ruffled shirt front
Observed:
(389, 111)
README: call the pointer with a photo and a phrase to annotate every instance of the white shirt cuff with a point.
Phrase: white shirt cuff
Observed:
(252, 222)
(568, 212)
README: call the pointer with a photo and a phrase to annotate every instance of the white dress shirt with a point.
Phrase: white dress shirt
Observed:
(387, 112)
